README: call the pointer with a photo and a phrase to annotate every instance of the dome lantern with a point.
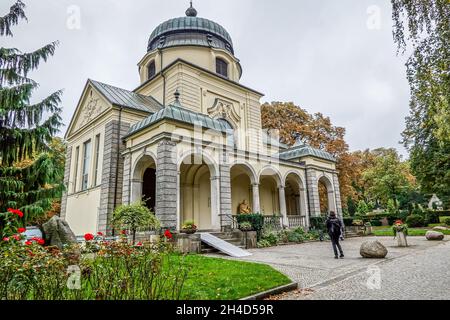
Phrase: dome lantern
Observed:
(191, 12)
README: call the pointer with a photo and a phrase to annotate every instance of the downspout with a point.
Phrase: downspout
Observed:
(116, 182)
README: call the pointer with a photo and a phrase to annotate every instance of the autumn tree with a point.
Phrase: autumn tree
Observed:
(29, 174)
(423, 28)
(315, 130)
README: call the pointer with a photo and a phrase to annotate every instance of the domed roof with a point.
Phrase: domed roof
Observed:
(190, 30)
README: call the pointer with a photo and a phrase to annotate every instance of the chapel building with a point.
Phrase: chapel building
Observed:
(188, 141)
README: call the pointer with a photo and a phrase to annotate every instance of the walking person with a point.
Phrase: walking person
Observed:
(334, 227)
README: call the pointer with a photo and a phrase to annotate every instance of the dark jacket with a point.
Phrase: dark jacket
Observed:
(338, 223)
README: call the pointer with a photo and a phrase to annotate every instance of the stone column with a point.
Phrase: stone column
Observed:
(66, 182)
(282, 199)
(255, 193)
(215, 200)
(313, 191)
(225, 195)
(167, 184)
(337, 195)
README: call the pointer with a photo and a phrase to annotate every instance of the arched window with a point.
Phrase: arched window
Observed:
(151, 71)
(222, 67)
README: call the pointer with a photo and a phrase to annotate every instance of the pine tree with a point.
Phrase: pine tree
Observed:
(29, 174)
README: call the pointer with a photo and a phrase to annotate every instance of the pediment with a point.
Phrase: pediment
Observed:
(90, 107)
(225, 110)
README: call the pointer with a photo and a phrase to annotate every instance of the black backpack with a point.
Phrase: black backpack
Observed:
(335, 227)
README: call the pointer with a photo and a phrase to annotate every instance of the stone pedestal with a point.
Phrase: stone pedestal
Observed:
(249, 239)
(189, 243)
(401, 239)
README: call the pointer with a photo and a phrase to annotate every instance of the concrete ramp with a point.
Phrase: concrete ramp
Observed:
(224, 246)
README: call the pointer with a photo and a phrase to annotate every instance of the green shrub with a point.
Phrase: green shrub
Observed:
(256, 220)
(317, 223)
(271, 237)
(264, 244)
(376, 223)
(415, 221)
(431, 217)
(347, 221)
(447, 221)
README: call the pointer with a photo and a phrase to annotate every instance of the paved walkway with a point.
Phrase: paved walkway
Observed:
(421, 271)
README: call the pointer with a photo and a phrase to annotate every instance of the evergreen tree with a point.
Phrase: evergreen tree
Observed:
(30, 175)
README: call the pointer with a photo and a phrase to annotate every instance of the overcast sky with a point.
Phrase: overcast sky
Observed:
(328, 56)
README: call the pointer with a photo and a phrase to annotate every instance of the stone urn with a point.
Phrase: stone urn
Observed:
(188, 231)
(401, 239)
(373, 250)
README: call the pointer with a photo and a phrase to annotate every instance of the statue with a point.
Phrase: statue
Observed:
(244, 208)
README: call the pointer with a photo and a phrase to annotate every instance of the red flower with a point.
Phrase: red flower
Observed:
(28, 243)
(168, 234)
(16, 237)
(5, 239)
(100, 234)
(88, 237)
(16, 211)
(139, 244)
(38, 240)
(124, 232)
(21, 230)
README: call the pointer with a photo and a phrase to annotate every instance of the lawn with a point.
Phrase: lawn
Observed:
(223, 279)
(387, 231)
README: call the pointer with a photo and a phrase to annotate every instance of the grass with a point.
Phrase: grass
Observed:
(221, 279)
(387, 231)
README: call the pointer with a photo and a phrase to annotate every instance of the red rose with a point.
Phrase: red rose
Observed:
(88, 237)
(16, 237)
(28, 243)
(16, 211)
(100, 234)
(168, 234)
(139, 244)
(38, 240)
(5, 239)
(21, 230)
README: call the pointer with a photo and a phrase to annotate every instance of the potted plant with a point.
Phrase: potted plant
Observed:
(400, 230)
(189, 227)
(246, 227)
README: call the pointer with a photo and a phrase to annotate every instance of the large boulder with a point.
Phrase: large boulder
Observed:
(434, 235)
(439, 228)
(373, 249)
(58, 233)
